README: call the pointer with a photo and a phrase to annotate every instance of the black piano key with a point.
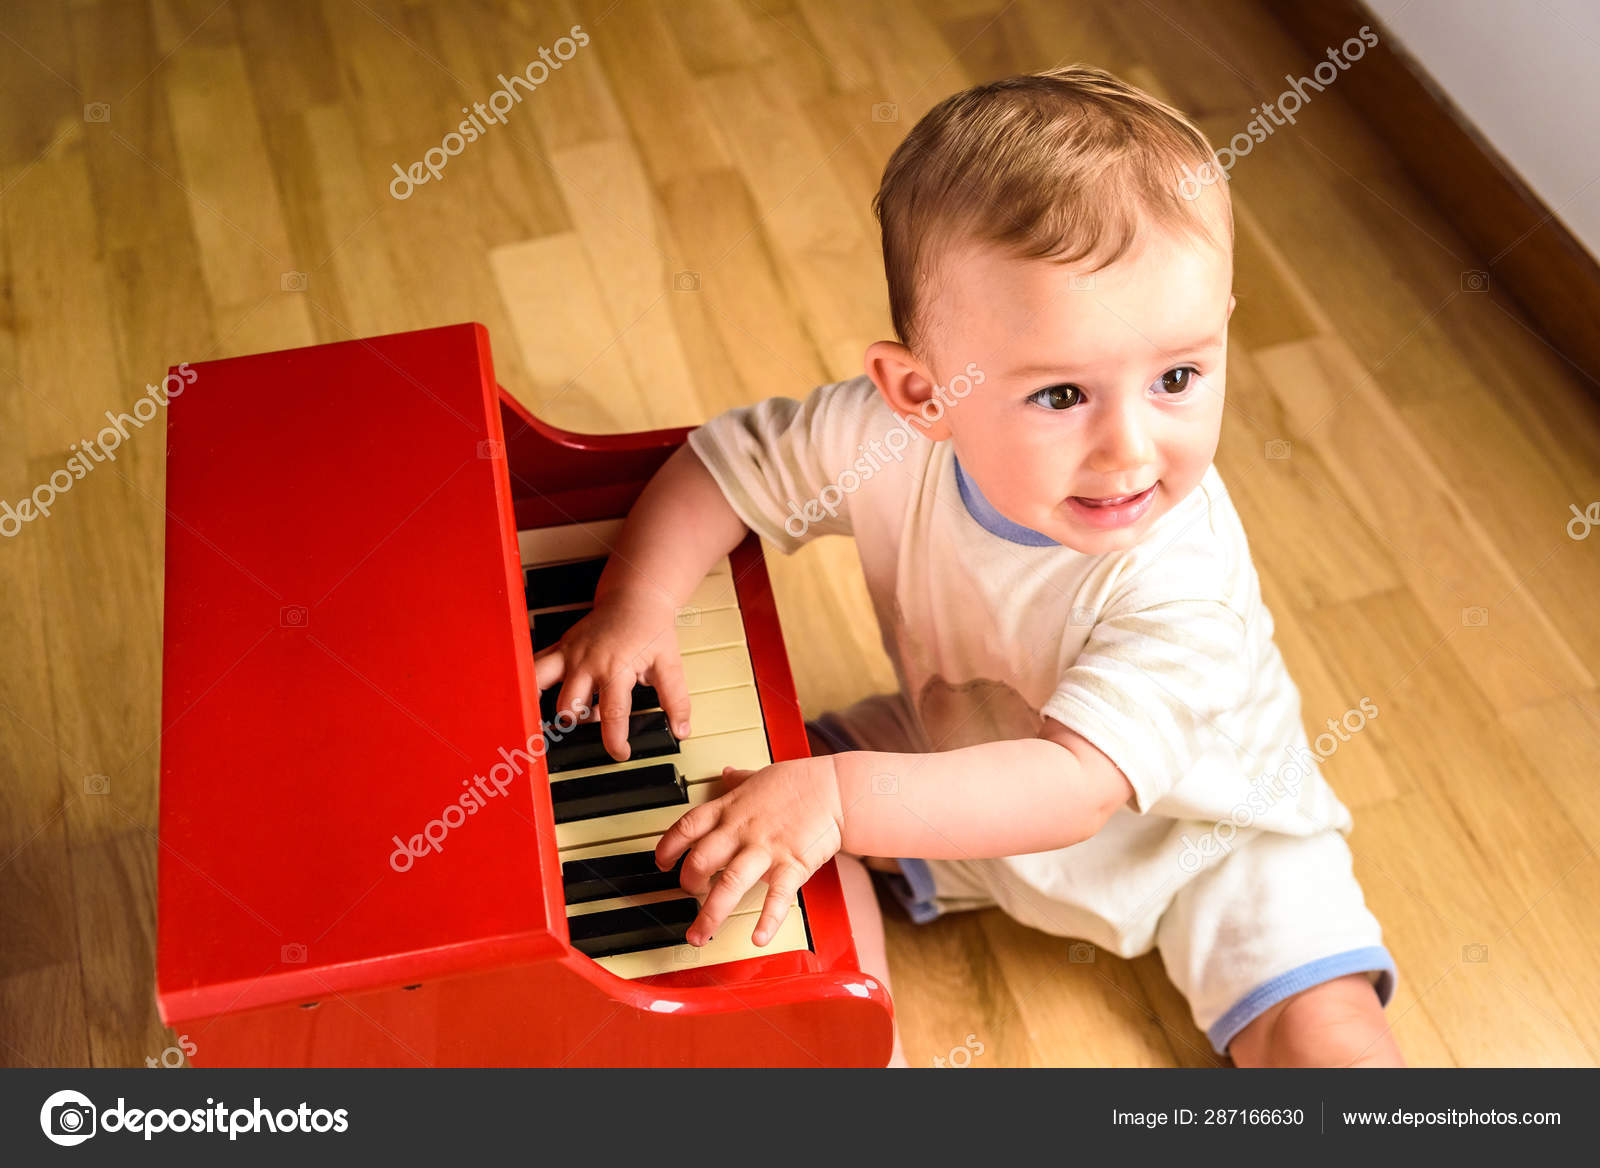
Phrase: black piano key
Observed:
(625, 874)
(557, 584)
(618, 792)
(550, 627)
(648, 737)
(627, 930)
(644, 698)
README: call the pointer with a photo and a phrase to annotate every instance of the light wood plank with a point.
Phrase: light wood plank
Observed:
(1466, 583)
(579, 378)
(252, 274)
(616, 217)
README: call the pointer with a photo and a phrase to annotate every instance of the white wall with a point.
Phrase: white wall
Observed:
(1525, 74)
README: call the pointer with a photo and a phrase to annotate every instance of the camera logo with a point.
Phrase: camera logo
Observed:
(67, 1118)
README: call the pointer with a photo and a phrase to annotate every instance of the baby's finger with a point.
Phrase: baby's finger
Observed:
(732, 777)
(574, 699)
(691, 825)
(616, 702)
(782, 884)
(549, 668)
(744, 870)
(666, 674)
(708, 857)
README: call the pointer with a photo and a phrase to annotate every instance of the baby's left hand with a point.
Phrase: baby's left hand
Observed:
(778, 824)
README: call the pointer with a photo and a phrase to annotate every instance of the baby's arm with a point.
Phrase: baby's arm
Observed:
(993, 799)
(781, 823)
(680, 526)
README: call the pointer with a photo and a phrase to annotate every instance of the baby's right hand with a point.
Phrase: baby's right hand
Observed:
(629, 637)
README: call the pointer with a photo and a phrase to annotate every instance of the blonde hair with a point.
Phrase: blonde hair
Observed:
(1063, 165)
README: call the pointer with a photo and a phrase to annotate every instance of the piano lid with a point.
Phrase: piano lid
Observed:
(346, 662)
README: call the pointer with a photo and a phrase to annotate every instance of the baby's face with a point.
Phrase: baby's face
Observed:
(1101, 402)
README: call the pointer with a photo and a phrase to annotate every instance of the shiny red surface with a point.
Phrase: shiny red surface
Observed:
(376, 487)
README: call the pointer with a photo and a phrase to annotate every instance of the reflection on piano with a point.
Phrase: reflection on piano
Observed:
(366, 543)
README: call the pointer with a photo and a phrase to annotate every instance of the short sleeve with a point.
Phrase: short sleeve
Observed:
(789, 468)
(1153, 686)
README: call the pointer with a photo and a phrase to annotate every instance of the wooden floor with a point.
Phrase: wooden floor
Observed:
(678, 221)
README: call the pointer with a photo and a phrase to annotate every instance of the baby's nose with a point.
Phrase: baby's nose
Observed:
(1124, 444)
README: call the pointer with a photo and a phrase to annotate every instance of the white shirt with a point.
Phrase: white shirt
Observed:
(1161, 654)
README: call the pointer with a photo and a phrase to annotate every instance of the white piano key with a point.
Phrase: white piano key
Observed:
(539, 546)
(609, 848)
(715, 591)
(575, 541)
(723, 711)
(643, 898)
(752, 901)
(651, 822)
(715, 629)
(708, 669)
(731, 943)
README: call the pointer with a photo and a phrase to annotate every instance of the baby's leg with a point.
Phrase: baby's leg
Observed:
(866, 925)
(1265, 986)
(1336, 1024)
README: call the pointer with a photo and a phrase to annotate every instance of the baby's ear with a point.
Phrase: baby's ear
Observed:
(907, 385)
(1233, 302)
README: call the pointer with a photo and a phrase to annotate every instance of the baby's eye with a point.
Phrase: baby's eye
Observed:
(1057, 397)
(1176, 381)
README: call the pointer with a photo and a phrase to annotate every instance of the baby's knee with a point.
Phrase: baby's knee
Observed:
(1339, 1023)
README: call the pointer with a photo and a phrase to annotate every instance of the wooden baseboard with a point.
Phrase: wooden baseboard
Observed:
(1529, 254)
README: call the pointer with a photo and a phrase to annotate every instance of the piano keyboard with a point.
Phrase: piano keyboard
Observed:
(621, 911)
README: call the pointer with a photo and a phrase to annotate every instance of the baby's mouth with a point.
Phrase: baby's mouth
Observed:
(1113, 500)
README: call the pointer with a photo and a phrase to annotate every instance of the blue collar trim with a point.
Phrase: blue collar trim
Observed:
(991, 520)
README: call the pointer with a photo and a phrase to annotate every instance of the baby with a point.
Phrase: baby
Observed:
(1094, 729)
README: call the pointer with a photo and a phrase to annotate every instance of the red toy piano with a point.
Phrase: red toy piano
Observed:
(376, 849)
